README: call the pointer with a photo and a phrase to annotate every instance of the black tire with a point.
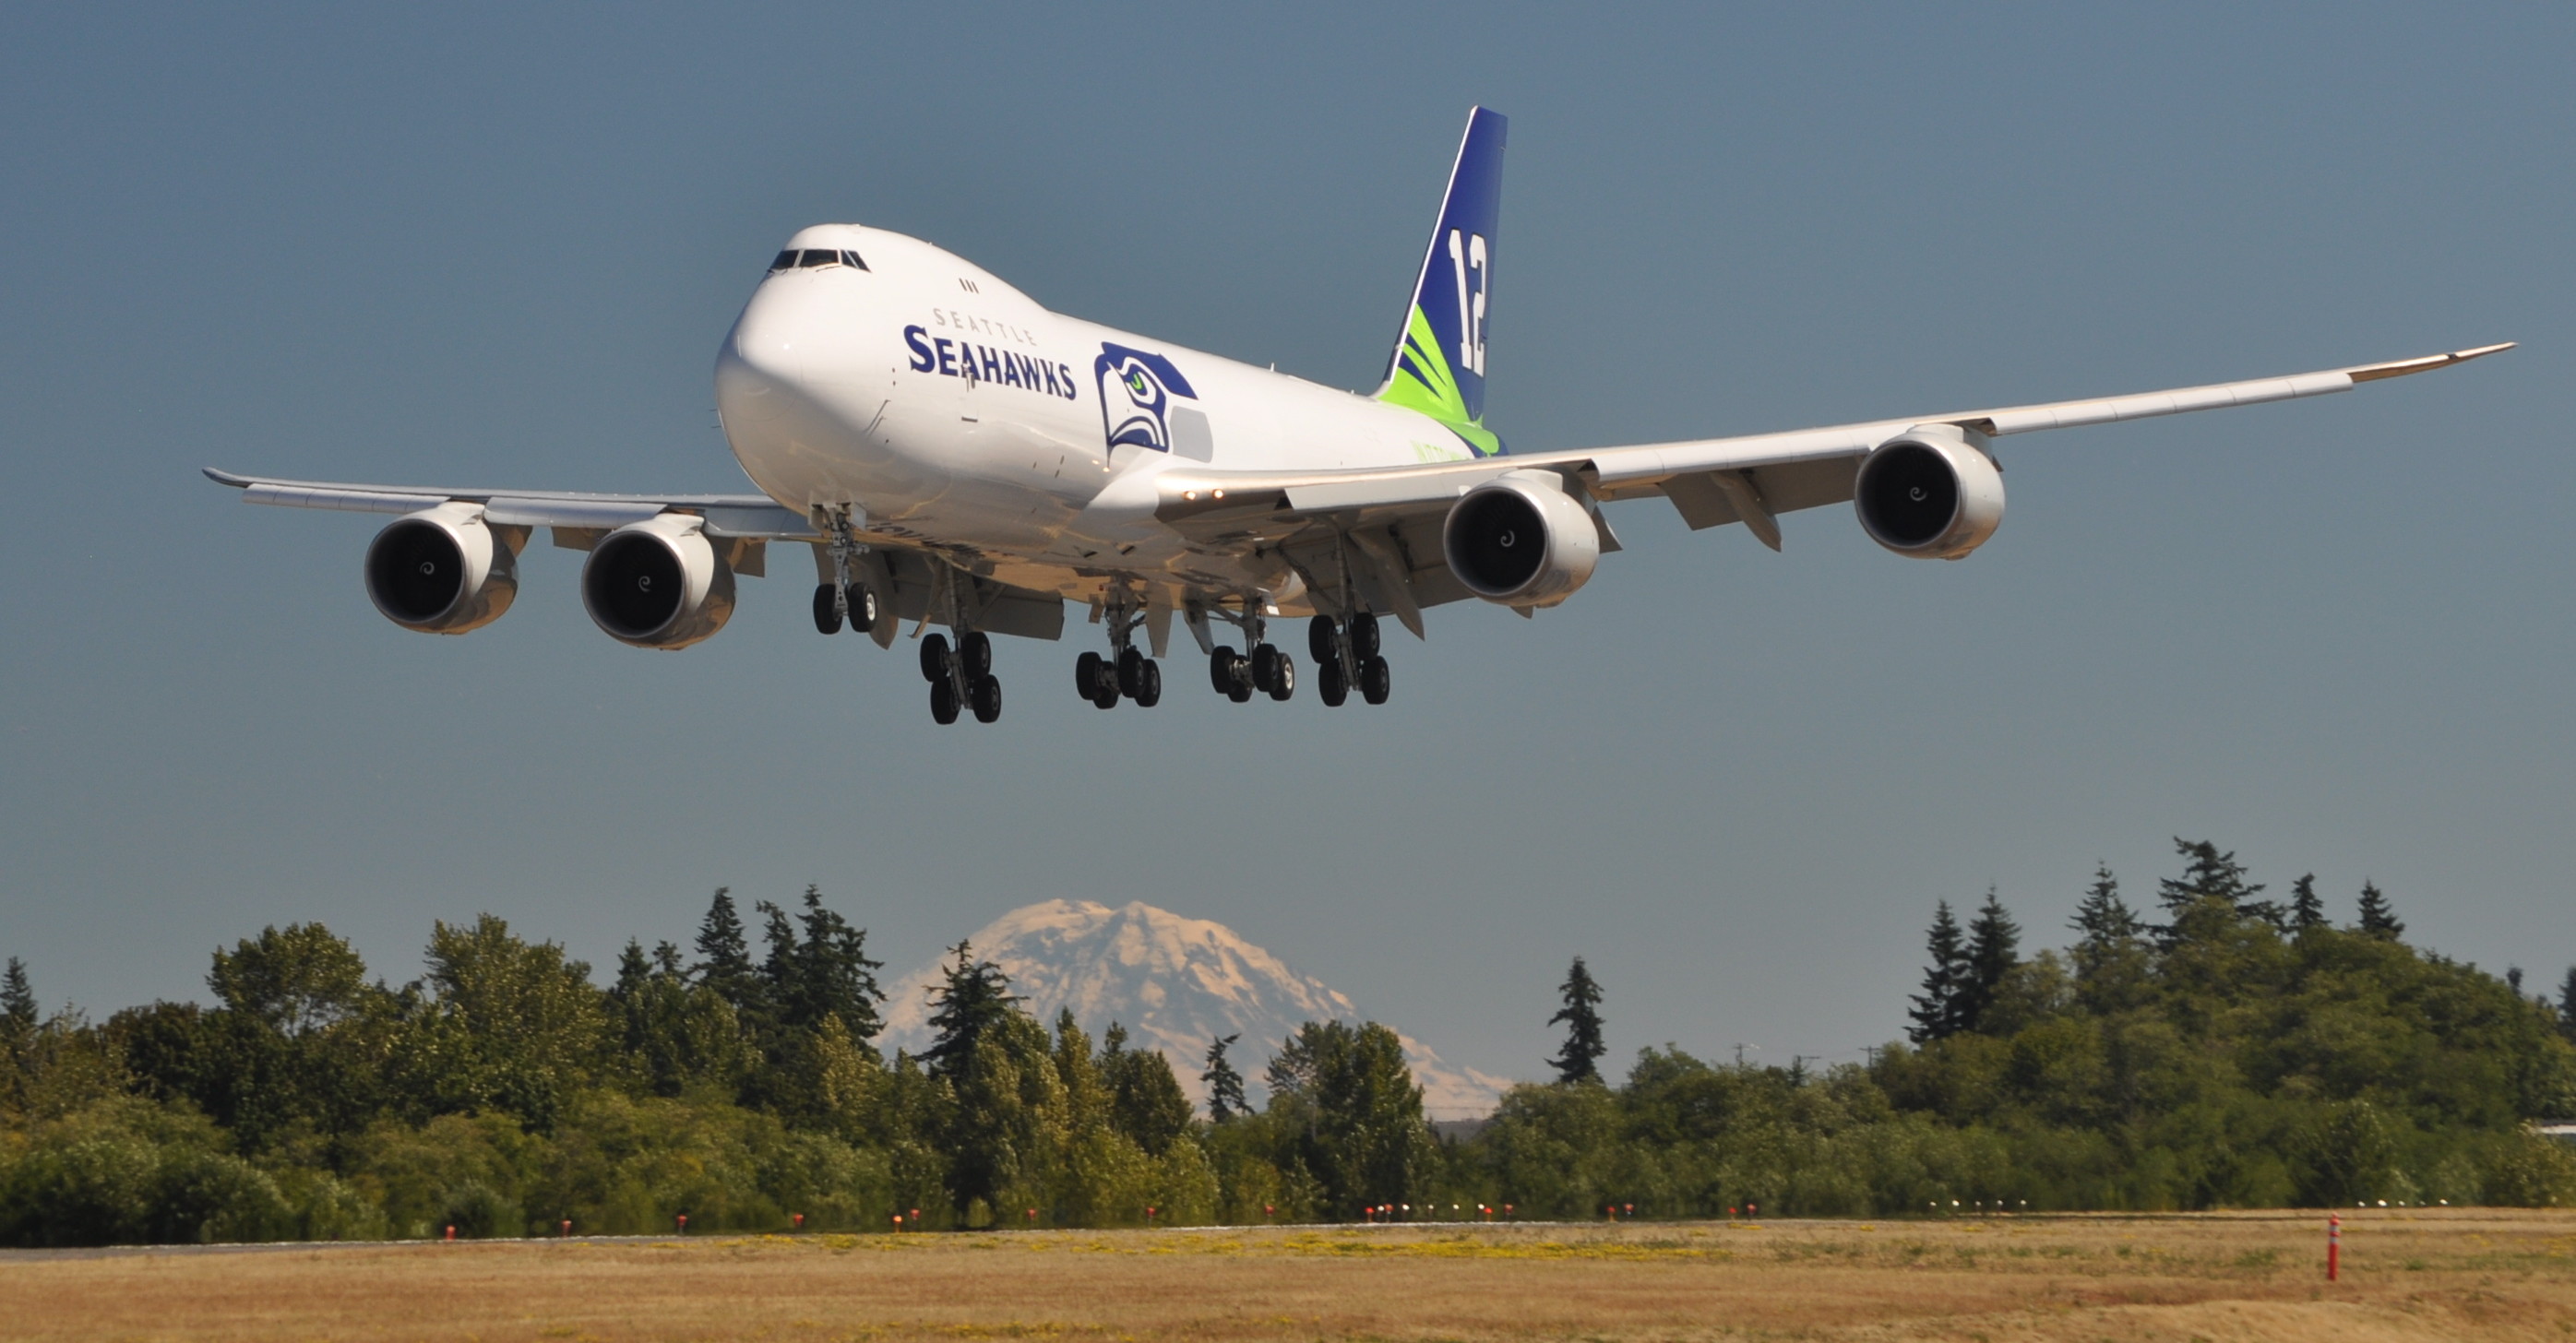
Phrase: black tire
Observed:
(1242, 692)
(988, 697)
(977, 648)
(1221, 670)
(1283, 677)
(1131, 665)
(934, 659)
(1149, 685)
(943, 701)
(1332, 684)
(1265, 667)
(1364, 642)
(863, 609)
(1105, 694)
(1086, 675)
(827, 612)
(1320, 640)
(1375, 681)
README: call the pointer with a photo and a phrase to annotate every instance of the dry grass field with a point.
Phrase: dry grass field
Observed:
(2408, 1275)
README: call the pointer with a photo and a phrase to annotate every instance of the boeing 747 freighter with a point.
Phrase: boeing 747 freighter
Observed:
(955, 455)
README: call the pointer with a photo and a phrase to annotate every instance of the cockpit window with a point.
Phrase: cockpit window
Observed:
(815, 258)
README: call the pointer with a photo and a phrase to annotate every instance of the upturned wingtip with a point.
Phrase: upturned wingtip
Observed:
(2398, 368)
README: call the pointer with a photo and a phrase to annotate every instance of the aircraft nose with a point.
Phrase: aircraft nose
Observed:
(762, 358)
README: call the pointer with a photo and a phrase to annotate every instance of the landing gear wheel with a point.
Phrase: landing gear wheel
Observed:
(1149, 685)
(1374, 684)
(1265, 667)
(1283, 677)
(863, 609)
(977, 648)
(1131, 669)
(1321, 638)
(827, 612)
(1364, 636)
(1242, 692)
(1332, 684)
(943, 701)
(1221, 671)
(1087, 671)
(987, 692)
(934, 662)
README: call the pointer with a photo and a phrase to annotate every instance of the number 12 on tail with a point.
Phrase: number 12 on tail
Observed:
(1467, 255)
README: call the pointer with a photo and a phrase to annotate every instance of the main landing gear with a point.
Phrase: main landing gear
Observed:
(1347, 657)
(961, 678)
(1266, 670)
(1103, 680)
(1126, 673)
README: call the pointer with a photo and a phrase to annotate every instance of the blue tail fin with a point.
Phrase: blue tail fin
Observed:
(1438, 366)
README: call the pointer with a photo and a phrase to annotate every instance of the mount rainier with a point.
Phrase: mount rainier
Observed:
(1175, 983)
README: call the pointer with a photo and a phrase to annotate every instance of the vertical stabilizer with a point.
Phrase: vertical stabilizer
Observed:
(1438, 366)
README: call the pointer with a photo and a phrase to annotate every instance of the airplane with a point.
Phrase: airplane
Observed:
(956, 455)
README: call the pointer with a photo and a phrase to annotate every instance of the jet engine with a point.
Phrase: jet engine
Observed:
(1521, 540)
(444, 570)
(1930, 493)
(657, 583)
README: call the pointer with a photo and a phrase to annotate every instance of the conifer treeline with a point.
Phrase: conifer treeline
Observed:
(2243, 1052)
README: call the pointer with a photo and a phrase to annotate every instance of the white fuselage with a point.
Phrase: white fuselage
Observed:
(944, 407)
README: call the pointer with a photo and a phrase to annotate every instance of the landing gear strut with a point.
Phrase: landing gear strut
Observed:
(1266, 669)
(962, 678)
(1126, 672)
(1346, 655)
(843, 598)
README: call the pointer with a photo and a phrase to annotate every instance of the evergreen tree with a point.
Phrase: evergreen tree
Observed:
(2111, 967)
(2567, 1005)
(2213, 892)
(2102, 917)
(1224, 1084)
(973, 996)
(724, 956)
(2377, 918)
(1146, 1102)
(824, 972)
(1935, 1011)
(2306, 910)
(18, 1001)
(1994, 948)
(1579, 1061)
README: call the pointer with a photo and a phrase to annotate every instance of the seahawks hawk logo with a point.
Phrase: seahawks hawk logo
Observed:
(1136, 391)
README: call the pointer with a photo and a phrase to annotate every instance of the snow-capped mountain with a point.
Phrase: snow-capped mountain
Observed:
(1174, 983)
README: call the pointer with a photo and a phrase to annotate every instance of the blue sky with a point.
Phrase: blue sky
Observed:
(499, 244)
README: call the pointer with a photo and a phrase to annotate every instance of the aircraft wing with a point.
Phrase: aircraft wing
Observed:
(742, 516)
(1381, 526)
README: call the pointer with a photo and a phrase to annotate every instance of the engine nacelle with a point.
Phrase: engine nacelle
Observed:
(443, 570)
(1930, 493)
(1521, 540)
(658, 583)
